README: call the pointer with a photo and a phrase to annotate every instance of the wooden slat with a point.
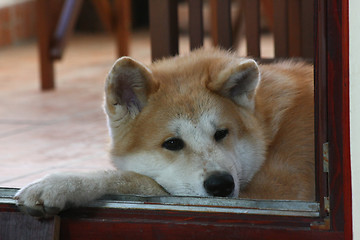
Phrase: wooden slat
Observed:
(294, 28)
(65, 26)
(196, 24)
(213, 22)
(280, 28)
(237, 28)
(307, 31)
(224, 32)
(252, 22)
(268, 6)
(44, 33)
(122, 26)
(163, 28)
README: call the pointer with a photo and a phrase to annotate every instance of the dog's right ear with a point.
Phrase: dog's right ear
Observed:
(238, 81)
(127, 88)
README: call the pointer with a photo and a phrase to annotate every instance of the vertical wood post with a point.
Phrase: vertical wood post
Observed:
(281, 28)
(196, 31)
(223, 23)
(252, 22)
(163, 28)
(294, 28)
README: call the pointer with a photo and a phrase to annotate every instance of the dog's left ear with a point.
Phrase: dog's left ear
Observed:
(238, 82)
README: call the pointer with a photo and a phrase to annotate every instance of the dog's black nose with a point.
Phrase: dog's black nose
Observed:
(219, 184)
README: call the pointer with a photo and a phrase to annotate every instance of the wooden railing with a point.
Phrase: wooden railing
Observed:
(292, 23)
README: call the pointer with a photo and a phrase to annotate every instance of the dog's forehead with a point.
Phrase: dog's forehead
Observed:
(206, 122)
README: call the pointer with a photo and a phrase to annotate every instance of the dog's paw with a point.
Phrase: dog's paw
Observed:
(45, 197)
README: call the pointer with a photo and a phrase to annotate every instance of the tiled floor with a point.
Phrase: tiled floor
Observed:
(61, 130)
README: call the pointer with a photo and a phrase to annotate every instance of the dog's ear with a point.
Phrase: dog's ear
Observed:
(238, 82)
(127, 88)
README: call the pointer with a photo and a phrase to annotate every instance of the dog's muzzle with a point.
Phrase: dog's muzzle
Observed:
(219, 184)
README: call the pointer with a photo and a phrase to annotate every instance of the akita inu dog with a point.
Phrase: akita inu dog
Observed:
(206, 124)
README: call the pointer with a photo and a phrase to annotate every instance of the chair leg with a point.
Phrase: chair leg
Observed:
(65, 26)
(44, 37)
(122, 26)
(105, 13)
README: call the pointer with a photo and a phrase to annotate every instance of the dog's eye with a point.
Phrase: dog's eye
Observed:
(173, 144)
(220, 134)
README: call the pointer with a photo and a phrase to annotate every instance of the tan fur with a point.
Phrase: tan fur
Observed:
(284, 104)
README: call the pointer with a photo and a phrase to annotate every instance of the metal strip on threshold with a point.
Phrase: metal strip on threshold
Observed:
(196, 204)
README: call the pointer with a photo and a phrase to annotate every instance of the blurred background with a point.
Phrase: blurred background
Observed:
(59, 125)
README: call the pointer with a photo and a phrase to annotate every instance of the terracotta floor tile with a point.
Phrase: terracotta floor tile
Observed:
(61, 130)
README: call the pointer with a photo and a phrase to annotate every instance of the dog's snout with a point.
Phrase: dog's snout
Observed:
(219, 184)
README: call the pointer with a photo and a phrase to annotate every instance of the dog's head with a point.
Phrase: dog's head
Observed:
(187, 122)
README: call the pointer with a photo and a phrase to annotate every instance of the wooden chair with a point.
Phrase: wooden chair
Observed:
(292, 25)
(56, 20)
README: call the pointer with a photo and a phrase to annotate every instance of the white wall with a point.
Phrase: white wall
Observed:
(354, 52)
(5, 3)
